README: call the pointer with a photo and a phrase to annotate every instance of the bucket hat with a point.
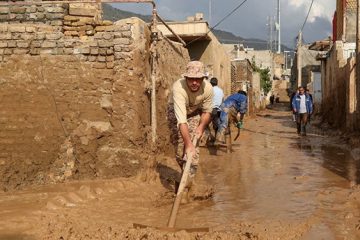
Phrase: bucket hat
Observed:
(195, 69)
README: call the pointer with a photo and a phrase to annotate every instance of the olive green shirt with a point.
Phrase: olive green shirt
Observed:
(187, 102)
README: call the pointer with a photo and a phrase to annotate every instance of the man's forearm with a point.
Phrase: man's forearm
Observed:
(205, 120)
(184, 130)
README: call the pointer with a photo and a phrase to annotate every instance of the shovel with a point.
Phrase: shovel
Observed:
(172, 219)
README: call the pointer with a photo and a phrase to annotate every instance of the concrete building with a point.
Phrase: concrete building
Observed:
(309, 65)
(203, 45)
(262, 58)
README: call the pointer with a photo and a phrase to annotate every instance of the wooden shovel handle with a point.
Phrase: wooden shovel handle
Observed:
(183, 181)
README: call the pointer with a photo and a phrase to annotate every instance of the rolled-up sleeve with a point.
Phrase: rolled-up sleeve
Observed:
(179, 100)
(207, 105)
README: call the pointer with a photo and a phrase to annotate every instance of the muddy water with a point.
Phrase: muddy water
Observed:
(279, 185)
(274, 175)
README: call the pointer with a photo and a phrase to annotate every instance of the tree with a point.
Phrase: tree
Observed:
(265, 82)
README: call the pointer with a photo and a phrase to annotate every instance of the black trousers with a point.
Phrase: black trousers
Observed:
(215, 118)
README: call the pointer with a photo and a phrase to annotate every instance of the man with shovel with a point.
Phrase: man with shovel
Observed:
(189, 113)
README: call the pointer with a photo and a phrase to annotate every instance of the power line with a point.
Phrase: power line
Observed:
(307, 16)
(223, 19)
(241, 41)
(228, 15)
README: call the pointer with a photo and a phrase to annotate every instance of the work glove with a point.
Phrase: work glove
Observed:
(240, 124)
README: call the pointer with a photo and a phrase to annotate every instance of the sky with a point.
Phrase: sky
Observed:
(250, 20)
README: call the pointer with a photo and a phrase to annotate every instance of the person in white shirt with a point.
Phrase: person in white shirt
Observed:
(302, 106)
(218, 99)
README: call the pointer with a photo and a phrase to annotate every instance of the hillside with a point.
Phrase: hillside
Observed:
(228, 37)
(114, 14)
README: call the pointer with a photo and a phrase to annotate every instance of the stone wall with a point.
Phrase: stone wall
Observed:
(239, 75)
(75, 96)
(338, 79)
(63, 29)
(244, 78)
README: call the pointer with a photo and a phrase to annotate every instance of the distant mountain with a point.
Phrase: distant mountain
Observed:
(114, 14)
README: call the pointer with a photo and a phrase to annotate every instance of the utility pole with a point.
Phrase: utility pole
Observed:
(210, 10)
(279, 27)
(286, 59)
(270, 36)
(299, 60)
(357, 72)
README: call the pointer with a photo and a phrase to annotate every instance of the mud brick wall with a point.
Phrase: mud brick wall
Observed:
(167, 74)
(239, 75)
(339, 100)
(74, 96)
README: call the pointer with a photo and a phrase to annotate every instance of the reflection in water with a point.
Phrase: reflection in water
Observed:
(336, 159)
(273, 177)
(341, 162)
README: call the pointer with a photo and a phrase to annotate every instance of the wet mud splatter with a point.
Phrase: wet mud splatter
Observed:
(274, 185)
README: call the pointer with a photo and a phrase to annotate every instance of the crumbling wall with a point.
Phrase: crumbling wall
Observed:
(337, 85)
(167, 74)
(75, 99)
(244, 78)
(239, 75)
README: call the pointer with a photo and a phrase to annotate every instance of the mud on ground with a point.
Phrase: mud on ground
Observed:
(274, 185)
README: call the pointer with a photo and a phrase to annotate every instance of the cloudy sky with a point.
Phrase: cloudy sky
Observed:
(250, 20)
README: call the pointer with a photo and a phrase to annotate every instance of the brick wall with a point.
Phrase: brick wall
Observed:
(243, 79)
(63, 29)
(74, 94)
(346, 20)
(240, 75)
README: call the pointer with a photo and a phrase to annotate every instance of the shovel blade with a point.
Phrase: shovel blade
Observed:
(168, 229)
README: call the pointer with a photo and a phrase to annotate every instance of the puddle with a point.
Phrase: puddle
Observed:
(341, 162)
(287, 180)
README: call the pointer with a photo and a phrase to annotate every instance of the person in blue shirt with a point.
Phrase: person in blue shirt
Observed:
(231, 107)
(303, 107)
(217, 101)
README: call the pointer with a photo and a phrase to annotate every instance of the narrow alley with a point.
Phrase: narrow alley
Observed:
(274, 185)
(106, 106)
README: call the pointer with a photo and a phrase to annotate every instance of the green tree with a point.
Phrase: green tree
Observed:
(265, 82)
